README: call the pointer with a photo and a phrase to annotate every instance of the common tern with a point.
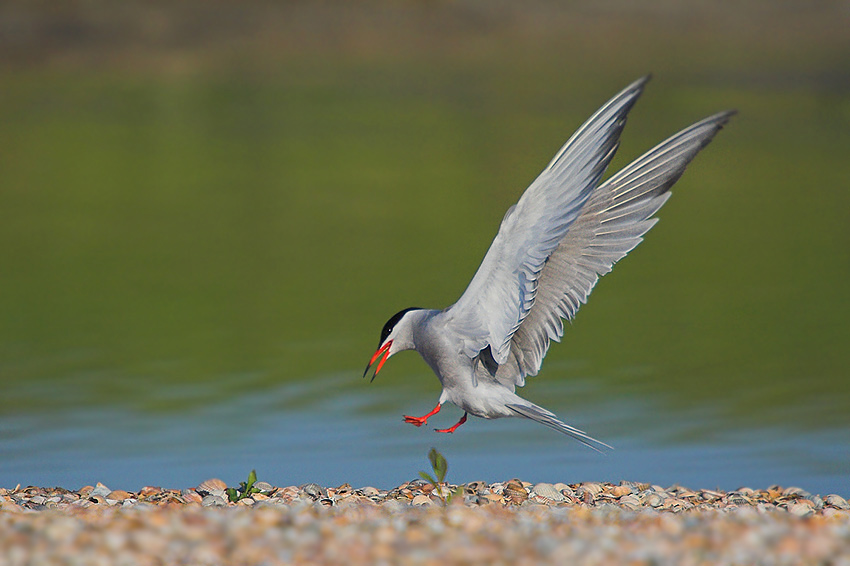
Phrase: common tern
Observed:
(567, 230)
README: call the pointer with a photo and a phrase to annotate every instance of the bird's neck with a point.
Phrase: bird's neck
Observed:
(412, 329)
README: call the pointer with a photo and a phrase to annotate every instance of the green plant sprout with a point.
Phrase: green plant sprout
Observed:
(246, 488)
(441, 468)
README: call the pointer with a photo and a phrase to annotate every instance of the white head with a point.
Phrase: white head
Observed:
(396, 336)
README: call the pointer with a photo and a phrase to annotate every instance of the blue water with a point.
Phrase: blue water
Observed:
(194, 269)
(354, 434)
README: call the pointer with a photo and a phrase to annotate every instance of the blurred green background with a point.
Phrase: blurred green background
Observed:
(207, 200)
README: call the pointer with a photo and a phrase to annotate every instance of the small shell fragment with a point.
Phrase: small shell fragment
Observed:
(421, 499)
(515, 492)
(212, 485)
(548, 491)
(834, 500)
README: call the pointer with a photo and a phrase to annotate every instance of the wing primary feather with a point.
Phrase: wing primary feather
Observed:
(612, 221)
(688, 142)
(628, 95)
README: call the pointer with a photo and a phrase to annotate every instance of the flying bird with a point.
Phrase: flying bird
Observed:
(567, 230)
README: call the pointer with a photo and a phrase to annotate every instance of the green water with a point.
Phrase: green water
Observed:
(170, 243)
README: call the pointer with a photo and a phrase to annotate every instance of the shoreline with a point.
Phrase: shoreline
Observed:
(628, 496)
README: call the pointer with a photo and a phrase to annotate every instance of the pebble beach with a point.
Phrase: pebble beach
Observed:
(511, 522)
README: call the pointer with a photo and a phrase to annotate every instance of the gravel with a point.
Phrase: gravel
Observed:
(506, 522)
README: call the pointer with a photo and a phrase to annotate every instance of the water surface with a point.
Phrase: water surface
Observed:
(195, 270)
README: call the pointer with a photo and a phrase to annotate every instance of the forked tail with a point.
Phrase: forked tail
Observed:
(548, 418)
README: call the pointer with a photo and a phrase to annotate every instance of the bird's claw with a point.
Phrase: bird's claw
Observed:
(415, 421)
(446, 430)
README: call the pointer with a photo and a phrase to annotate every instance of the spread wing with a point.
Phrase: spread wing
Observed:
(611, 223)
(502, 292)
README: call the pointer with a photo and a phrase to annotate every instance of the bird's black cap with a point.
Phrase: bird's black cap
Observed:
(388, 327)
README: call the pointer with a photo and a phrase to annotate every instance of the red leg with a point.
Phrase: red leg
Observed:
(419, 421)
(454, 428)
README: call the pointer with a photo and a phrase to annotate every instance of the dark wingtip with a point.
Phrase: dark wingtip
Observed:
(640, 83)
(724, 117)
(717, 121)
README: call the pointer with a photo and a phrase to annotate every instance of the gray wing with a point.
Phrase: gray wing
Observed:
(502, 292)
(610, 225)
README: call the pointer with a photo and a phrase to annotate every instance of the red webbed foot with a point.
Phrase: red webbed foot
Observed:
(453, 428)
(415, 421)
(419, 421)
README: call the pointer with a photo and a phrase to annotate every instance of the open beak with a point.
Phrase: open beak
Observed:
(383, 350)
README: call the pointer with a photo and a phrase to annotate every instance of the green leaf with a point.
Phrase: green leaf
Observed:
(232, 495)
(442, 467)
(432, 456)
(439, 463)
(427, 477)
(249, 486)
